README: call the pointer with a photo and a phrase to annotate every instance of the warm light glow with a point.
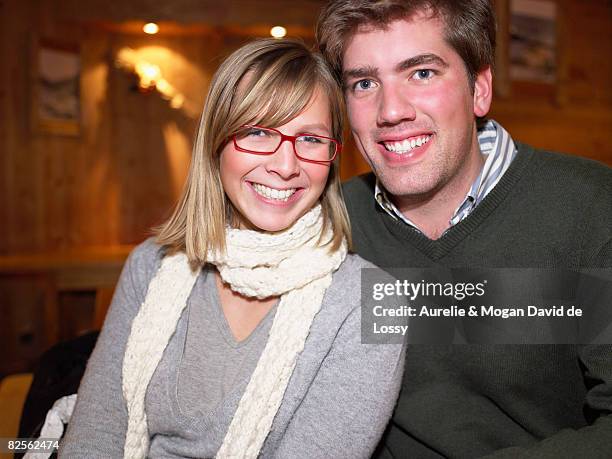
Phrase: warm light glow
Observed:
(165, 88)
(150, 78)
(151, 28)
(177, 101)
(278, 31)
(149, 74)
(151, 71)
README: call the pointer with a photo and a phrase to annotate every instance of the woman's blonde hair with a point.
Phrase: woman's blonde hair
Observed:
(282, 78)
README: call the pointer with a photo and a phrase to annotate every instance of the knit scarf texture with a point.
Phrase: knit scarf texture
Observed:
(292, 264)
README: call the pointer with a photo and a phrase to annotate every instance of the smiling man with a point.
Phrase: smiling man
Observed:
(424, 153)
(451, 188)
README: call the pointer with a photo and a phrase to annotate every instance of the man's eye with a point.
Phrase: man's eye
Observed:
(423, 74)
(364, 85)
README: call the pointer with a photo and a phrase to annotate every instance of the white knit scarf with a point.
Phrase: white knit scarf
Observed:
(289, 264)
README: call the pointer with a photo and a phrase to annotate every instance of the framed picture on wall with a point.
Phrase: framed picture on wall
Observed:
(530, 59)
(533, 41)
(56, 102)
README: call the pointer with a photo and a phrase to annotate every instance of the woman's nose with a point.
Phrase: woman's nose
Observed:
(283, 161)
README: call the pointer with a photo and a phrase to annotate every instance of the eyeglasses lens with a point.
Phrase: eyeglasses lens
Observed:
(261, 140)
(314, 147)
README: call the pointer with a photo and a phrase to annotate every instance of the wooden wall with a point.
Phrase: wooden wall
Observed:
(576, 115)
(122, 174)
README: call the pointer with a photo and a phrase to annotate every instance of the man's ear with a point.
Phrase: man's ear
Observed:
(483, 92)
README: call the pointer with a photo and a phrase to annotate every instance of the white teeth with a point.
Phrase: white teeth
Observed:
(273, 193)
(406, 145)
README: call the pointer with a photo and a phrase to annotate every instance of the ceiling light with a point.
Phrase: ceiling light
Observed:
(151, 28)
(278, 31)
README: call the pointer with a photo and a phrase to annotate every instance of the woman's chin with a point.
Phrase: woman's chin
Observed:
(271, 227)
(269, 223)
(272, 219)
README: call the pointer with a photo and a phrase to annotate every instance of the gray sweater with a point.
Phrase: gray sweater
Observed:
(337, 403)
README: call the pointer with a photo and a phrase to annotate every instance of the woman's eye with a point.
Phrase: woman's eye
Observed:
(256, 133)
(363, 85)
(310, 139)
(423, 74)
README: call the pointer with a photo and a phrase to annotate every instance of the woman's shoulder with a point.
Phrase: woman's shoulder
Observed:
(355, 263)
(345, 289)
(147, 252)
(146, 256)
(351, 268)
(142, 264)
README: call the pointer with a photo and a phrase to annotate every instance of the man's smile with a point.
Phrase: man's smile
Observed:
(407, 144)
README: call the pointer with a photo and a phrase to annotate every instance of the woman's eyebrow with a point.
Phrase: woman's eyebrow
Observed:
(314, 127)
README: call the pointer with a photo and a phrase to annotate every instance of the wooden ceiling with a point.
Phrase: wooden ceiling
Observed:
(192, 17)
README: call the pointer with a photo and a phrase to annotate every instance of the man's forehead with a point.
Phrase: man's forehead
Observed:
(373, 26)
(356, 47)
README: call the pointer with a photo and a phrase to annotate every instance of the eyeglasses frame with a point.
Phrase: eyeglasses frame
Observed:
(292, 139)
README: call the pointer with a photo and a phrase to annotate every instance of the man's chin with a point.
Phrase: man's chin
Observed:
(412, 190)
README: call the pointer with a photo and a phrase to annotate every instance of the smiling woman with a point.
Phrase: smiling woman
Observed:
(267, 85)
(236, 332)
(271, 191)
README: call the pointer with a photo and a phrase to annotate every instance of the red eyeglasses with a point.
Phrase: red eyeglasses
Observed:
(266, 141)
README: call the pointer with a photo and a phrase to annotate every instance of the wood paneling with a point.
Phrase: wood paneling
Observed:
(51, 296)
(23, 313)
(232, 13)
(578, 118)
(126, 169)
(124, 172)
(21, 203)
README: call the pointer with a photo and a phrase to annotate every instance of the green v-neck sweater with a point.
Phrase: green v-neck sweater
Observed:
(508, 401)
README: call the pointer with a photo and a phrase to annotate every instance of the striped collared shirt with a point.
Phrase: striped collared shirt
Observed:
(498, 148)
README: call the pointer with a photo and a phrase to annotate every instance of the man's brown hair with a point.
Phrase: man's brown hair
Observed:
(469, 27)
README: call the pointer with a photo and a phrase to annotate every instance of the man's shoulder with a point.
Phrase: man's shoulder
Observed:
(358, 193)
(572, 168)
(360, 184)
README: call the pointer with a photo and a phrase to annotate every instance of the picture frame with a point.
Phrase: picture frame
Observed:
(55, 106)
(530, 60)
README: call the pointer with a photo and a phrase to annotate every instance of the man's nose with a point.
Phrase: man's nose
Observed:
(283, 161)
(394, 106)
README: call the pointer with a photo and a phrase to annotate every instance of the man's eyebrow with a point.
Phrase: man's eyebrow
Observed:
(415, 61)
(359, 72)
(421, 59)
